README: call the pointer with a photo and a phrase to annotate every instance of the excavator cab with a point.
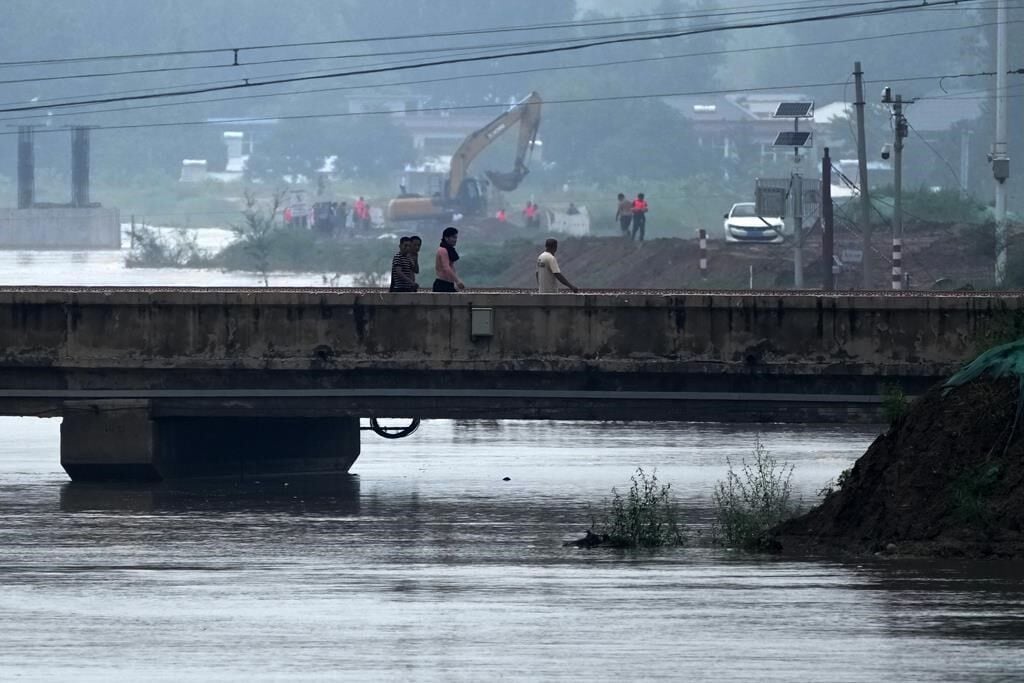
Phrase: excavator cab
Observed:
(472, 197)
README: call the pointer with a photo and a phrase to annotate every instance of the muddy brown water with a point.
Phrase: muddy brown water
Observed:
(426, 565)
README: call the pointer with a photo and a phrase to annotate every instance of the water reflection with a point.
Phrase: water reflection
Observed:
(338, 494)
(426, 565)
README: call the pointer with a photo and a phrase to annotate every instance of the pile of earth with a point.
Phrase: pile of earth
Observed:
(942, 256)
(947, 479)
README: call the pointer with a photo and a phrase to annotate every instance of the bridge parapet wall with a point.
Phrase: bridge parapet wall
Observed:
(290, 330)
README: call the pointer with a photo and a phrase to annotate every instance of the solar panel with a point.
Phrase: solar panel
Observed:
(791, 110)
(792, 139)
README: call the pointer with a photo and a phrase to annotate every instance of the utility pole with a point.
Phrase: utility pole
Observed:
(900, 130)
(798, 215)
(965, 166)
(862, 167)
(999, 157)
(827, 248)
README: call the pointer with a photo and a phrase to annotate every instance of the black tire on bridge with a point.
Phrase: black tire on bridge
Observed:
(394, 432)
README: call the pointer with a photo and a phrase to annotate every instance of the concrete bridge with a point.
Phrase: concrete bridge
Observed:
(168, 382)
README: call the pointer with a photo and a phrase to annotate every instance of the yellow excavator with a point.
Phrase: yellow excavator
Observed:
(467, 195)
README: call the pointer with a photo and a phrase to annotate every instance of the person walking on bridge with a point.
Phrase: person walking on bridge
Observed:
(444, 263)
(402, 277)
(548, 272)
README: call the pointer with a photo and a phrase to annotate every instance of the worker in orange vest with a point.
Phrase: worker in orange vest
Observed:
(361, 217)
(530, 214)
(639, 216)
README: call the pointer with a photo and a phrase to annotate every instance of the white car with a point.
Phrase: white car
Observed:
(742, 224)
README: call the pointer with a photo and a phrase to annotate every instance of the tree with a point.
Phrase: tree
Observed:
(365, 146)
(645, 139)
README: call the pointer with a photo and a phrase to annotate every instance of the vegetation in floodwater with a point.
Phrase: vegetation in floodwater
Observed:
(153, 249)
(752, 501)
(643, 517)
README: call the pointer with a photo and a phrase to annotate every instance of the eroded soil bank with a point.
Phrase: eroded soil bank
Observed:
(946, 480)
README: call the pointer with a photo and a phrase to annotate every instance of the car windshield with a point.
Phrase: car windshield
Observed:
(744, 211)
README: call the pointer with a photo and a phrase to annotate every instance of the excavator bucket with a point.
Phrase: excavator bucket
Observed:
(506, 182)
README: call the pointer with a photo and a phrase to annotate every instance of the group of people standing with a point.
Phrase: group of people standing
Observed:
(405, 264)
(632, 212)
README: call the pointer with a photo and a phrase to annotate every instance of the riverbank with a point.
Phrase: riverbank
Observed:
(946, 480)
(935, 256)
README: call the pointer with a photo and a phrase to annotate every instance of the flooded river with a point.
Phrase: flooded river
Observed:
(425, 564)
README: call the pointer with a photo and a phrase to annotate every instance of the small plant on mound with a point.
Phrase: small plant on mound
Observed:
(837, 484)
(752, 501)
(645, 517)
(894, 403)
(971, 492)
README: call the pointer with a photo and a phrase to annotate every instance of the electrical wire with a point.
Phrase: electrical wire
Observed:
(497, 74)
(523, 53)
(956, 176)
(473, 107)
(794, 6)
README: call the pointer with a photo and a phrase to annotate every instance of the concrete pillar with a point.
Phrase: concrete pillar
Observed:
(80, 166)
(26, 168)
(108, 441)
(121, 441)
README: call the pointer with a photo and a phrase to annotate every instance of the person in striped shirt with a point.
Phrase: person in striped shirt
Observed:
(403, 279)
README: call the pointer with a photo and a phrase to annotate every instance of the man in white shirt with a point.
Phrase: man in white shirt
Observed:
(548, 274)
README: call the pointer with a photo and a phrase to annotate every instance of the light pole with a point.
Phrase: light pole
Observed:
(1000, 159)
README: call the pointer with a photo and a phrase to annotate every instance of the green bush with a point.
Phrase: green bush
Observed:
(971, 492)
(752, 501)
(150, 249)
(645, 517)
(894, 403)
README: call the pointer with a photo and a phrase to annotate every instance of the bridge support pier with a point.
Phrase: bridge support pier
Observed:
(123, 441)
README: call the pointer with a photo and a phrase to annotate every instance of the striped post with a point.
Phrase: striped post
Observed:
(897, 263)
(703, 235)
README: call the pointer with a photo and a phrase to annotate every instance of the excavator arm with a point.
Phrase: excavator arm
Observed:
(526, 113)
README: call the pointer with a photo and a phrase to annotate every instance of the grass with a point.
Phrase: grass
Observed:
(643, 517)
(753, 500)
(971, 492)
(894, 403)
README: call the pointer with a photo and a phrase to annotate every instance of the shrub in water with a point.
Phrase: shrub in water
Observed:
(645, 517)
(749, 503)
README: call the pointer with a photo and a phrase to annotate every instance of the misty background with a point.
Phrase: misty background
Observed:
(616, 116)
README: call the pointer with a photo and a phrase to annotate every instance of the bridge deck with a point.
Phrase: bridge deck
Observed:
(664, 354)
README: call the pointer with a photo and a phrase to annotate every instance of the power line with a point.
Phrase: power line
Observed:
(523, 53)
(505, 73)
(793, 6)
(956, 176)
(236, 64)
(580, 100)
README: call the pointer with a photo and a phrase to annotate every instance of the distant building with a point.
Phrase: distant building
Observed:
(193, 171)
(740, 125)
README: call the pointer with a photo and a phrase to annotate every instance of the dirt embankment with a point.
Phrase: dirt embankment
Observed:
(952, 256)
(945, 480)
